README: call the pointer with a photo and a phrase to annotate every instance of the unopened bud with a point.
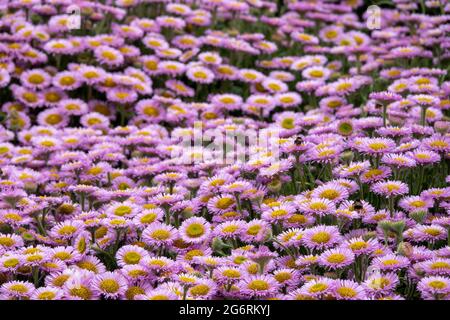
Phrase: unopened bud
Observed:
(398, 227)
(385, 225)
(187, 214)
(418, 216)
(218, 244)
(405, 249)
(345, 127)
(396, 121)
(442, 126)
(274, 185)
(27, 236)
(370, 235)
(268, 235)
(332, 275)
(347, 156)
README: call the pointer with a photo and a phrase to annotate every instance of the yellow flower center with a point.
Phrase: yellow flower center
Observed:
(346, 292)
(159, 297)
(10, 263)
(151, 111)
(67, 80)
(230, 229)
(53, 119)
(316, 73)
(231, 273)
(72, 106)
(436, 284)
(52, 97)
(95, 171)
(336, 258)
(7, 242)
(227, 100)
(288, 123)
(90, 74)
(93, 121)
(329, 194)
(148, 218)
(440, 265)
(423, 156)
(67, 230)
(377, 146)
(318, 206)
(81, 247)
(194, 253)
(358, 245)
(283, 276)
(122, 211)
(111, 56)
(287, 99)
(432, 231)
(86, 265)
(326, 152)
(160, 234)
(217, 182)
(101, 232)
(297, 218)
(400, 86)
(224, 203)
(59, 281)
(392, 187)
(200, 290)
(390, 262)
(151, 65)
(439, 144)
(46, 295)
(331, 34)
(253, 230)
(109, 285)
(321, 237)
(200, 75)
(81, 292)
(417, 203)
(137, 273)
(36, 78)
(278, 213)
(304, 37)
(195, 230)
(318, 287)
(274, 86)
(334, 104)
(132, 257)
(47, 143)
(62, 255)
(343, 86)
(372, 173)
(20, 288)
(122, 95)
(30, 97)
(133, 291)
(258, 285)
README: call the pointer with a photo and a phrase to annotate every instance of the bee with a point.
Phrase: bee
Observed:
(357, 205)
(298, 140)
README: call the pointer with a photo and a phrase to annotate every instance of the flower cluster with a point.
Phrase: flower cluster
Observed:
(94, 204)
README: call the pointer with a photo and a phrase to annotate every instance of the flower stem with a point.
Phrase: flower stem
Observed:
(423, 115)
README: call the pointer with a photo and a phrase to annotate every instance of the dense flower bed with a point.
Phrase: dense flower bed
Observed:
(107, 191)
